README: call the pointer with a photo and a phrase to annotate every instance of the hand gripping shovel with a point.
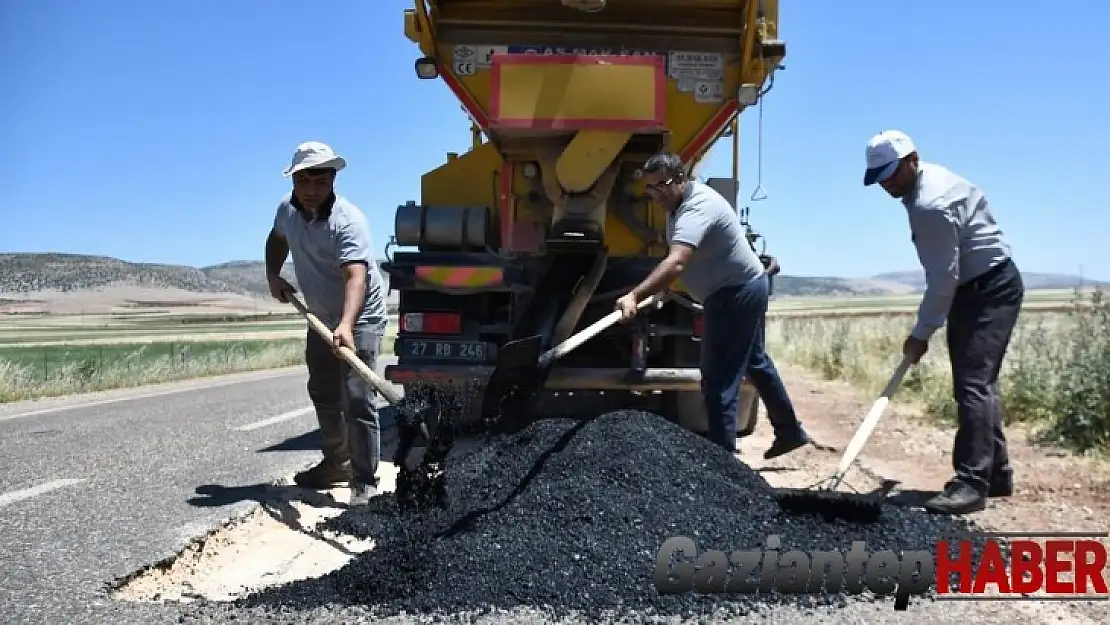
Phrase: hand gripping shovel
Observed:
(373, 379)
(410, 449)
(822, 499)
(521, 370)
(415, 423)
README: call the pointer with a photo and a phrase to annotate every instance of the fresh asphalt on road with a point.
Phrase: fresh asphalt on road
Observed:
(92, 489)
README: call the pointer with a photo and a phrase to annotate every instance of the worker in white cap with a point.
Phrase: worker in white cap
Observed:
(972, 285)
(333, 259)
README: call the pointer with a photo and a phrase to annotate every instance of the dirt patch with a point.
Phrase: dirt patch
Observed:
(276, 543)
(120, 298)
(1055, 491)
(169, 337)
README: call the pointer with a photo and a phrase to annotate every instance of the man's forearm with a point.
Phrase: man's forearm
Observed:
(277, 250)
(354, 294)
(933, 311)
(664, 274)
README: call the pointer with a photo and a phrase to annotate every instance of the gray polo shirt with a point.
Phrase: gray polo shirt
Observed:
(722, 256)
(320, 248)
(956, 237)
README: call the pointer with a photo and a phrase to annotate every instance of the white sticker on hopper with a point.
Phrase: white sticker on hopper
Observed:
(709, 91)
(698, 65)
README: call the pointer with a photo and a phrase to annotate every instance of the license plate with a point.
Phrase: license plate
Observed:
(446, 350)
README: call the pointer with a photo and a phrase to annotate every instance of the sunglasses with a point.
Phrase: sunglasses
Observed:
(659, 186)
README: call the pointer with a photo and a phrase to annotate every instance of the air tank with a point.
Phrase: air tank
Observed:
(442, 227)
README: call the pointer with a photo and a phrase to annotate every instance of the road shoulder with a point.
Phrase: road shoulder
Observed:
(1055, 490)
(32, 407)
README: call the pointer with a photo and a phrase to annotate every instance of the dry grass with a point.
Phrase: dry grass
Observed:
(1056, 375)
(78, 364)
(29, 374)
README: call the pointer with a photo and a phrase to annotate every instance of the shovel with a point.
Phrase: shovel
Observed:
(409, 449)
(373, 379)
(521, 369)
(823, 499)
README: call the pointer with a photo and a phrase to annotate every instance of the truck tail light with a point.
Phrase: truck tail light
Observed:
(431, 323)
(697, 325)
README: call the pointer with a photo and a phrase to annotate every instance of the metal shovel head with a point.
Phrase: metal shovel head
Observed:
(830, 505)
(520, 355)
(515, 377)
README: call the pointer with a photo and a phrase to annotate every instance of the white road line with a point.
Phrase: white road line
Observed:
(35, 491)
(172, 391)
(285, 416)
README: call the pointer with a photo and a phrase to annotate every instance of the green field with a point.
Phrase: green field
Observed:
(1042, 300)
(49, 356)
(1056, 376)
(1057, 373)
(74, 334)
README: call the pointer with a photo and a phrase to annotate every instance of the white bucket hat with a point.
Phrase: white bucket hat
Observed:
(313, 154)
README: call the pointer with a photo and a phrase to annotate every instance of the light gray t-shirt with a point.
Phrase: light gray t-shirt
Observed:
(722, 257)
(956, 237)
(320, 248)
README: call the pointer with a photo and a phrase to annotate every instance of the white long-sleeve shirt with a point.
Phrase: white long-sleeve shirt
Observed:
(956, 237)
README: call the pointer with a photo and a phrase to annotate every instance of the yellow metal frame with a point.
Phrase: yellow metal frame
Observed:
(482, 176)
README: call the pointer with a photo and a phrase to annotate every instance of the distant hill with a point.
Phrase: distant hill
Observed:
(801, 285)
(246, 275)
(915, 280)
(27, 273)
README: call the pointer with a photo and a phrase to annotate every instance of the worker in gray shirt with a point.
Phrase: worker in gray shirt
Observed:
(720, 270)
(974, 286)
(335, 268)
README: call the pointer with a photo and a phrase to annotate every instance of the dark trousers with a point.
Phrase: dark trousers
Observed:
(982, 318)
(344, 404)
(732, 345)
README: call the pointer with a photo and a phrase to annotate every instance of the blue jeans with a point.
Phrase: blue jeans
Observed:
(732, 345)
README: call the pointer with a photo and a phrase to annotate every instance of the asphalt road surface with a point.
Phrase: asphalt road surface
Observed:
(95, 488)
(92, 489)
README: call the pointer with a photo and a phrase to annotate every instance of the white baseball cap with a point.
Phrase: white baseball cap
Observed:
(312, 154)
(884, 151)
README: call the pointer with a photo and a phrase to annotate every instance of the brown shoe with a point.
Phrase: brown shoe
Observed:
(324, 476)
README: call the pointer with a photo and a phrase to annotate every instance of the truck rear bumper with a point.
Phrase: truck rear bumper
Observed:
(560, 378)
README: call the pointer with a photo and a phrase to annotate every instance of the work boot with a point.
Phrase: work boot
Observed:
(1002, 485)
(787, 443)
(958, 498)
(324, 475)
(361, 494)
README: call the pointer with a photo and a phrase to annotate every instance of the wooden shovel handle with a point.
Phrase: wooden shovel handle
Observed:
(384, 387)
(597, 327)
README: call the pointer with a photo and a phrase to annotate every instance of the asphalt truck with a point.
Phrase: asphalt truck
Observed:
(543, 223)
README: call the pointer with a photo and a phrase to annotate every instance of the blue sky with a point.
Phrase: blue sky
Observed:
(157, 131)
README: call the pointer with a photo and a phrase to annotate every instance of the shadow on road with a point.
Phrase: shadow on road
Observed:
(313, 440)
(309, 441)
(276, 500)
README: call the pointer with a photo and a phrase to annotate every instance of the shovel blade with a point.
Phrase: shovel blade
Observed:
(514, 381)
(519, 355)
(831, 505)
